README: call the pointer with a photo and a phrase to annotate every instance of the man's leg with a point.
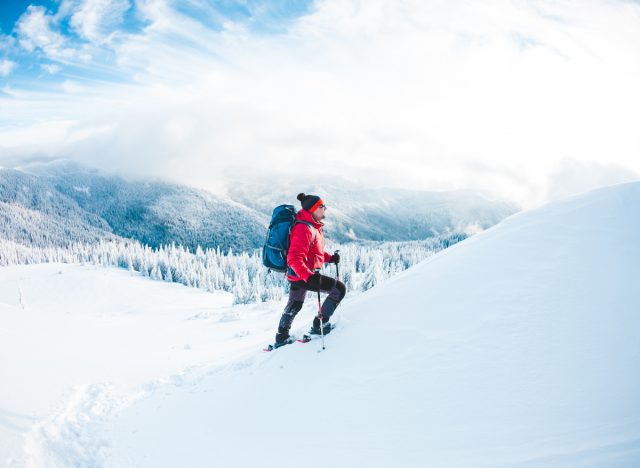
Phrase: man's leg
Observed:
(336, 290)
(296, 300)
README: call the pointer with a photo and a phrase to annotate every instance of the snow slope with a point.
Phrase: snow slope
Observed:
(79, 342)
(518, 347)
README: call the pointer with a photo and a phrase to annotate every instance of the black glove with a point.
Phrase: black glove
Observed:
(335, 258)
(314, 280)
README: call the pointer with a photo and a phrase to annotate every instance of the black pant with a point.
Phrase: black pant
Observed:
(297, 294)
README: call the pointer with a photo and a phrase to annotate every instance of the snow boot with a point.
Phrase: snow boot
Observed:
(287, 341)
(280, 341)
(283, 339)
(315, 328)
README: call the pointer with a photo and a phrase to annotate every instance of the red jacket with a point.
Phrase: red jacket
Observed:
(303, 258)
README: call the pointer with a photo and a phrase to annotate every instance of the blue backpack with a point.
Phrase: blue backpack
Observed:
(276, 245)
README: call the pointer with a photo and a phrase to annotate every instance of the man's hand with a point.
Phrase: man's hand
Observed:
(335, 258)
(314, 280)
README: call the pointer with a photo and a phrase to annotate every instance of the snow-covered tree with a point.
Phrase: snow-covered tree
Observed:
(363, 265)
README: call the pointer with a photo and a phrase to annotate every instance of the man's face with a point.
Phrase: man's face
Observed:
(318, 214)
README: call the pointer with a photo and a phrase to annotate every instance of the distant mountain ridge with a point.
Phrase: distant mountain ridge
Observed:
(33, 211)
(356, 211)
(60, 202)
(155, 212)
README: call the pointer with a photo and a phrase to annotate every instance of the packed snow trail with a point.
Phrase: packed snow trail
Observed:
(517, 347)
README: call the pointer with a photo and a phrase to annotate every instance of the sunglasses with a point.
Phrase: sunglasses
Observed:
(323, 206)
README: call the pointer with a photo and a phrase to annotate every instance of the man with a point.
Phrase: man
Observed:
(305, 258)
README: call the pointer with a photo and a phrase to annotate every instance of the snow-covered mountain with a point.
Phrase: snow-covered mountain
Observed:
(517, 347)
(358, 211)
(34, 212)
(153, 212)
(36, 199)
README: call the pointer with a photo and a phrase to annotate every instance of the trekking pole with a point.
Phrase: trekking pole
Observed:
(320, 318)
(320, 306)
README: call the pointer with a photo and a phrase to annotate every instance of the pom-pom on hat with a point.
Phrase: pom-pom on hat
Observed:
(310, 202)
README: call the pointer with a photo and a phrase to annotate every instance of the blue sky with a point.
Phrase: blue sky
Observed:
(529, 101)
(11, 10)
(51, 41)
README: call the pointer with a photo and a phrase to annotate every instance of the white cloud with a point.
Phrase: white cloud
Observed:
(20, 140)
(6, 42)
(35, 30)
(437, 95)
(6, 67)
(572, 176)
(51, 68)
(38, 30)
(96, 19)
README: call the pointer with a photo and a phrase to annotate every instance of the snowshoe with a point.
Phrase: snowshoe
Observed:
(326, 329)
(315, 333)
(277, 345)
